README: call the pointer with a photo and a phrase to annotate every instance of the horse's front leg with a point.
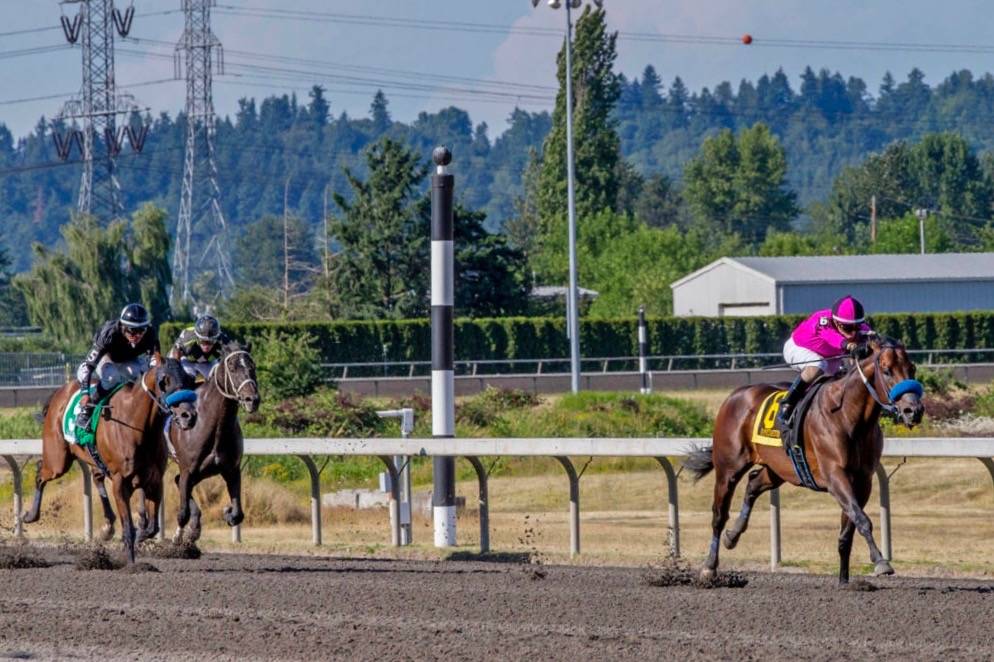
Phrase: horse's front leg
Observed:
(107, 530)
(152, 501)
(122, 495)
(184, 483)
(233, 514)
(852, 495)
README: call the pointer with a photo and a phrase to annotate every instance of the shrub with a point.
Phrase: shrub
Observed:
(288, 364)
(326, 413)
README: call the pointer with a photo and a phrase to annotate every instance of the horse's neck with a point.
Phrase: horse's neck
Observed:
(856, 402)
(136, 404)
(217, 407)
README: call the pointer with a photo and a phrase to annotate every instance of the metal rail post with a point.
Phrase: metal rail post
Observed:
(481, 476)
(574, 505)
(674, 507)
(394, 500)
(775, 557)
(15, 471)
(312, 471)
(402, 463)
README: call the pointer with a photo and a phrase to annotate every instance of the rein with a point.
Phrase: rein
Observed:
(229, 382)
(895, 392)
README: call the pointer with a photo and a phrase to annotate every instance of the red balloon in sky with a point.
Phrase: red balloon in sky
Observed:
(747, 39)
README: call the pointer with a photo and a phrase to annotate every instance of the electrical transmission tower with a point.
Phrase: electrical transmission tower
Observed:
(201, 226)
(96, 109)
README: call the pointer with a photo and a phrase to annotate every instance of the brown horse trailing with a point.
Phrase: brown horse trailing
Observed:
(214, 444)
(129, 443)
(842, 444)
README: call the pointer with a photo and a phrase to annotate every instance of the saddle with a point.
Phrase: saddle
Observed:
(87, 437)
(793, 437)
(765, 432)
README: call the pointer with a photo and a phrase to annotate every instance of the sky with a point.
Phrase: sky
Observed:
(356, 46)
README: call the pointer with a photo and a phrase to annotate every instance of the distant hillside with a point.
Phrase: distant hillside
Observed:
(828, 122)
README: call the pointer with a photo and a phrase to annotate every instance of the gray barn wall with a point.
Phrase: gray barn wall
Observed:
(703, 295)
(901, 297)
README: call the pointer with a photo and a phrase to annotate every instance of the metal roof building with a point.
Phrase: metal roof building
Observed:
(745, 286)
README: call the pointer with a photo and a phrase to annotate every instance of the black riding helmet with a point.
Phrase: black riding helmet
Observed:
(207, 328)
(134, 316)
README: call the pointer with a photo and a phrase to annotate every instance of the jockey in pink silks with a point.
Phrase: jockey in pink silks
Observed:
(817, 346)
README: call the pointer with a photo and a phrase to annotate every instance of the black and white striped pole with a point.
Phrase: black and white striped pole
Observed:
(644, 353)
(443, 409)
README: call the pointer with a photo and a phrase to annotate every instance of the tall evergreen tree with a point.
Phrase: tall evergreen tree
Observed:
(596, 145)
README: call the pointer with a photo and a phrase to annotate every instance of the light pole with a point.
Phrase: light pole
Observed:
(572, 296)
(922, 214)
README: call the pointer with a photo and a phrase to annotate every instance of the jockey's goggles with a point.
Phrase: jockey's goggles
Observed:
(134, 332)
(847, 328)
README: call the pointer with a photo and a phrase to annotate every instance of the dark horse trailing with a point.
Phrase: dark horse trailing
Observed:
(842, 443)
(214, 444)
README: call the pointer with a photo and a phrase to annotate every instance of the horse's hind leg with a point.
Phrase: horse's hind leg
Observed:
(760, 480)
(726, 478)
(107, 530)
(233, 514)
(846, 534)
(852, 496)
(54, 463)
(193, 529)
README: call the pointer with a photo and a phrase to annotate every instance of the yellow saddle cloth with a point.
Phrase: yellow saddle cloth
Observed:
(764, 430)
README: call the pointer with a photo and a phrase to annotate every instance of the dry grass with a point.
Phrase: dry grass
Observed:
(941, 512)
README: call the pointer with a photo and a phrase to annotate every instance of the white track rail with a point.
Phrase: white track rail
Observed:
(662, 449)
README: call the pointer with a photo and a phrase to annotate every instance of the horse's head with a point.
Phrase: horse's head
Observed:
(175, 388)
(894, 378)
(236, 375)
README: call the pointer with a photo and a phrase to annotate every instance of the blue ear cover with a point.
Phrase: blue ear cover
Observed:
(180, 397)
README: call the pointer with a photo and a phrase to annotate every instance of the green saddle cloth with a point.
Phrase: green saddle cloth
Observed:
(88, 436)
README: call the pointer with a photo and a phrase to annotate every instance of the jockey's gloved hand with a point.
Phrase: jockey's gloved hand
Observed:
(851, 347)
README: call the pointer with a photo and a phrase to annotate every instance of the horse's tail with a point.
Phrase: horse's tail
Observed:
(44, 408)
(699, 462)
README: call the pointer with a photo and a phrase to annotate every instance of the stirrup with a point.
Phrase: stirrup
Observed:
(99, 461)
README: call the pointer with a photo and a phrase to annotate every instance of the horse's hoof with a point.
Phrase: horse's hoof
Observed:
(106, 532)
(883, 568)
(30, 518)
(178, 537)
(729, 541)
(708, 574)
(193, 535)
(233, 519)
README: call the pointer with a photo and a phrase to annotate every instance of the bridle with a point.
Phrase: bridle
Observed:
(227, 388)
(894, 392)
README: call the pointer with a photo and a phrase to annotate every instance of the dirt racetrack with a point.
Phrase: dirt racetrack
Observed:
(255, 607)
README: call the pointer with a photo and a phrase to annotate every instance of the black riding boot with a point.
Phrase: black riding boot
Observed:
(794, 395)
(86, 410)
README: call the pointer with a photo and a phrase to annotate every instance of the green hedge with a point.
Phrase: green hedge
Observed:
(545, 337)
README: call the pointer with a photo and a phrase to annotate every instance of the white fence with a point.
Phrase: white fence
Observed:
(661, 449)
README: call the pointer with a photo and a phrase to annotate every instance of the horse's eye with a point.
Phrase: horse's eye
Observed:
(887, 372)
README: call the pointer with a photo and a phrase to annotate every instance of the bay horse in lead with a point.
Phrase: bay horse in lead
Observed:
(842, 441)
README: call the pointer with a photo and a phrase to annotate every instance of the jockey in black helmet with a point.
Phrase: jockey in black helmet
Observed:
(198, 347)
(121, 352)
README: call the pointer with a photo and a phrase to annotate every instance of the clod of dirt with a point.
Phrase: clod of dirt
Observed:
(677, 573)
(860, 585)
(20, 557)
(97, 558)
(536, 573)
(523, 558)
(138, 568)
(169, 550)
